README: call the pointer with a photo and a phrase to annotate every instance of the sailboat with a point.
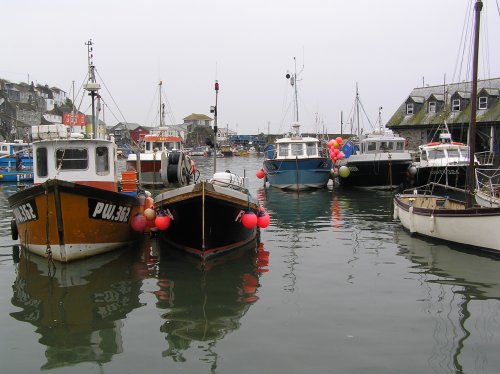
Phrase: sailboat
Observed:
(158, 148)
(296, 162)
(214, 216)
(442, 217)
(74, 209)
(378, 160)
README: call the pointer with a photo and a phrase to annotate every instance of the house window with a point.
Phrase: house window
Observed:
(409, 108)
(455, 105)
(432, 107)
(483, 102)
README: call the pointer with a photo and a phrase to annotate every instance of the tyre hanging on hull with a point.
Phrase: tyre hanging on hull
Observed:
(175, 168)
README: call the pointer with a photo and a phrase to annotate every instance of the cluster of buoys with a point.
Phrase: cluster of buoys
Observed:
(260, 219)
(334, 148)
(260, 173)
(148, 217)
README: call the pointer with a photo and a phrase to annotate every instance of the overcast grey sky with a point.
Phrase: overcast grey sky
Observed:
(388, 47)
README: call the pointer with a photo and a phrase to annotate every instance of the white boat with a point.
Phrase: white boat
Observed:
(378, 160)
(443, 218)
(157, 145)
(444, 162)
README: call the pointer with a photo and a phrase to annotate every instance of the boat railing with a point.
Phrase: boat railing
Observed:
(485, 158)
(488, 181)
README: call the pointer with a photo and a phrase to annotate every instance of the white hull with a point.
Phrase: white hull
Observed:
(486, 200)
(72, 252)
(474, 226)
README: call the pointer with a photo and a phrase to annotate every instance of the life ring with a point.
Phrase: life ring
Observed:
(457, 143)
(431, 144)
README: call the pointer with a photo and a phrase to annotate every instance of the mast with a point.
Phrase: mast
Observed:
(357, 107)
(92, 86)
(161, 109)
(293, 83)
(472, 124)
(215, 125)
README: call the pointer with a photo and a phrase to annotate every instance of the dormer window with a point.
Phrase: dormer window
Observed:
(455, 105)
(432, 107)
(409, 108)
(483, 102)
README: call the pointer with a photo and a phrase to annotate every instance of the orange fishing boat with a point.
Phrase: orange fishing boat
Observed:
(74, 209)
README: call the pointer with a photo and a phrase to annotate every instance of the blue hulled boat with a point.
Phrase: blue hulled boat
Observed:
(16, 162)
(297, 163)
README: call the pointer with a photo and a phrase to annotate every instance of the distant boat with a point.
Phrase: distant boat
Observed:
(441, 217)
(74, 209)
(378, 160)
(158, 144)
(16, 162)
(296, 162)
(212, 216)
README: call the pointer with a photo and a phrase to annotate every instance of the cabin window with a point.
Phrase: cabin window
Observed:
(101, 161)
(148, 146)
(72, 158)
(41, 162)
(4, 148)
(436, 154)
(483, 102)
(400, 146)
(297, 149)
(158, 146)
(385, 146)
(371, 146)
(311, 149)
(283, 150)
(455, 105)
(432, 107)
(453, 153)
(409, 108)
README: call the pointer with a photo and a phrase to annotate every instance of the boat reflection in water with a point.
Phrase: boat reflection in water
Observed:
(204, 302)
(77, 308)
(462, 293)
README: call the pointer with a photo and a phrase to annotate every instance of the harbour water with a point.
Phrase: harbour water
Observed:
(336, 286)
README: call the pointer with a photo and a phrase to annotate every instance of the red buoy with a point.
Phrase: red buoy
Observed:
(162, 222)
(138, 223)
(249, 220)
(263, 220)
(260, 173)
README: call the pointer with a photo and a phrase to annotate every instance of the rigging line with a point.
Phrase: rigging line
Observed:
(169, 111)
(81, 97)
(463, 39)
(109, 93)
(486, 49)
(107, 106)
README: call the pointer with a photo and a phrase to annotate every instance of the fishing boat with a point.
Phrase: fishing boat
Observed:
(74, 209)
(158, 144)
(441, 217)
(444, 162)
(210, 217)
(378, 160)
(296, 162)
(16, 162)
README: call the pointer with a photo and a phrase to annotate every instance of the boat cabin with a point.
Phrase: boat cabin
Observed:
(444, 152)
(160, 140)
(304, 148)
(60, 154)
(378, 144)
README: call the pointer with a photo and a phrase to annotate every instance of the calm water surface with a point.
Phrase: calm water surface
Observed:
(335, 287)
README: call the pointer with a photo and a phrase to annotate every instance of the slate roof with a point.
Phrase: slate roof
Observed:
(422, 117)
